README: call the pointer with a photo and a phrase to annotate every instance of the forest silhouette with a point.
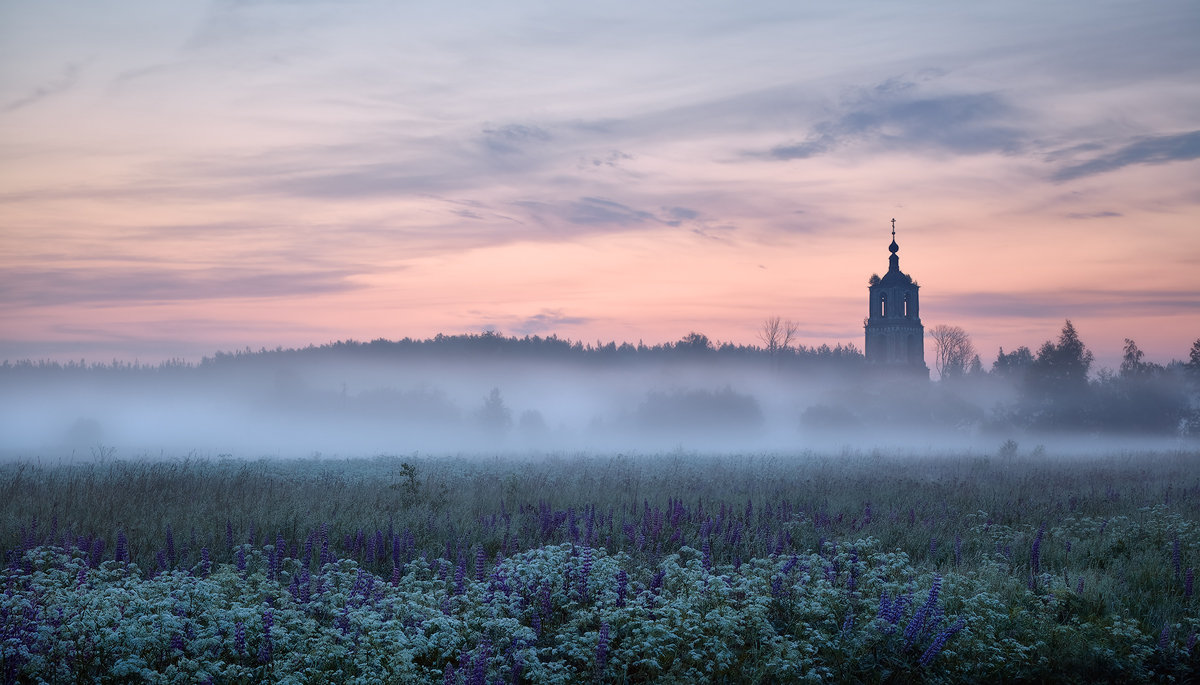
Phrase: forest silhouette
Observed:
(553, 392)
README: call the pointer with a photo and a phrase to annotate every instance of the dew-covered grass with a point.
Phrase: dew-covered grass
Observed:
(681, 567)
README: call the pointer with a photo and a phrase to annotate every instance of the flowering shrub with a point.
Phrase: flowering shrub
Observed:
(552, 614)
(771, 589)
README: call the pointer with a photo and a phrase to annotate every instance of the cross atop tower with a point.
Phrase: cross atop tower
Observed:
(893, 229)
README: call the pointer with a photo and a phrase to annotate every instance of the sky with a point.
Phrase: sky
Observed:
(186, 177)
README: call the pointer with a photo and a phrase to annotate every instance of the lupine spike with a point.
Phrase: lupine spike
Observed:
(602, 647)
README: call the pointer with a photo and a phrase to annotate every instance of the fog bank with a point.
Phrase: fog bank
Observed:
(347, 405)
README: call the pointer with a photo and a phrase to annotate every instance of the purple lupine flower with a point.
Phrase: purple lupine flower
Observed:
(479, 672)
(239, 637)
(1079, 586)
(122, 553)
(933, 543)
(1191, 641)
(301, 587)
(916, 625)
(790, 565)
(205, 562)
(480, 564)
(177, 642)
(622, 586)
(1035, 552)
(160, 558)
(940, 641)
(265, 651)
(1164, 638)
(656, 581)
(602, 648)
(239, 558)
(448, 675)
(885, 606)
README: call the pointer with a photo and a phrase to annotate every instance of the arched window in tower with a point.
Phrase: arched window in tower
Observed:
(883, 305)
(907, 310)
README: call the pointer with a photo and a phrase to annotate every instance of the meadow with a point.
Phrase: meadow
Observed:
(875, 567)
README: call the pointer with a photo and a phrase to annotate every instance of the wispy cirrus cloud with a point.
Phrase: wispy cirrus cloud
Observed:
(1144, 150)
(600, 213)
(513, 138)
(1068, 303)
(61, 286)
(896, 115)
(1094, 215)
(547, 320)
(63, 82)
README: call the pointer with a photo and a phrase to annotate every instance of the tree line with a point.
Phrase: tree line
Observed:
(489, 346)
(1055, 387)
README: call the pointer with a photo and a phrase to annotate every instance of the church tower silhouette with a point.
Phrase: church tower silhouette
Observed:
(895, 336)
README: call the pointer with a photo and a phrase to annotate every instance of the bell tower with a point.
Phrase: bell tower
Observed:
(895, 336)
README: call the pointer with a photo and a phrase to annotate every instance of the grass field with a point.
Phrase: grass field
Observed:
(679, 567)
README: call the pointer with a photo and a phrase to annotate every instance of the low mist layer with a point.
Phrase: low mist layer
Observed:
(492, 394)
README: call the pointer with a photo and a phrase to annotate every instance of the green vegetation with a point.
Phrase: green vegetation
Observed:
(567, 568)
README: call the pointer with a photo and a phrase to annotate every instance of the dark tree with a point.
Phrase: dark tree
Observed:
(1143, 398)
(1013, 364)
(1193, 363)
(1056, 392)
(1061, 368)
(777, 335)
(694, 342)
(1131, 362)
(493, 416)
(952, 350)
